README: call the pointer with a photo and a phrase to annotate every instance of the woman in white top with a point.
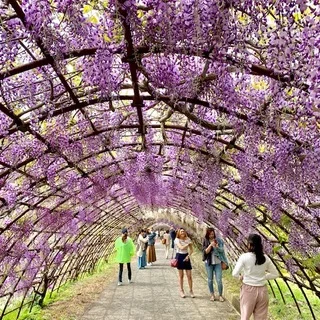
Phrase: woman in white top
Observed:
(254, 268)
(141, 249)
(184, 250)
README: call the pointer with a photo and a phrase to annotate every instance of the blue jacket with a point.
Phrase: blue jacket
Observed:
(218, 252)
(151, 238)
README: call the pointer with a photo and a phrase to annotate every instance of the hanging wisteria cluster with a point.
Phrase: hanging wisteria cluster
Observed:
(110, 109)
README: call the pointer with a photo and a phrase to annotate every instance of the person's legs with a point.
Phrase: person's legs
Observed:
(248, 298)
(167, 251)
(181, 283)
(120, 272)
(189, 276)
(218, 276)
(144, 259)
(260, 312)
(129, 271)
(209, 269)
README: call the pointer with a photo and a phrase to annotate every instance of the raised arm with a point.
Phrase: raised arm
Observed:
(206, 246)
(152, 235)
(238, 268)
(142, 239)
(180, 246)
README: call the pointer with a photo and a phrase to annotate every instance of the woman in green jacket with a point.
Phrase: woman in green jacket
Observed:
(125, 250)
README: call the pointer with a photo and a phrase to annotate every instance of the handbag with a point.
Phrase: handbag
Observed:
(164, 241)
(174, 263)
(224, 266)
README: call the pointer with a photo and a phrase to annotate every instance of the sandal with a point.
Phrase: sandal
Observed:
(192, 294)
(221, 299)
(182, 295)
(212, 298)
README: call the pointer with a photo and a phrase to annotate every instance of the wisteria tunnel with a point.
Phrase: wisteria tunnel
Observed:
(129, 113)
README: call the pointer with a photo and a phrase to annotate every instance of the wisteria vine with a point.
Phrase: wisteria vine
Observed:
(113, 109)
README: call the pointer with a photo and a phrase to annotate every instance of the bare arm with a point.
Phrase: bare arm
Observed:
(209, 248)
(182, 247)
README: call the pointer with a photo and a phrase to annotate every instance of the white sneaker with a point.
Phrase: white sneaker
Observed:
(119, 283)
(129, 281)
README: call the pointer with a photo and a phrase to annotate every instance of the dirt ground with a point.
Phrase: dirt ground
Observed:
(84, 293)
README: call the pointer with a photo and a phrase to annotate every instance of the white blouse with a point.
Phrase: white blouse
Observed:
(182, 243)
(254, 275)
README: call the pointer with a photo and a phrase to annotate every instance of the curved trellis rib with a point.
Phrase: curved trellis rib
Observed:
(141, 50)
(45, 52)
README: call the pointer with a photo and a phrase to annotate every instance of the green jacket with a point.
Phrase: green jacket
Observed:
(125, 250)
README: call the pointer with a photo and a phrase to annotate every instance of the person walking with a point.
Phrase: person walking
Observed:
(213, 256)
(125, 250)
(166, 239)
(184, 250)
(142, 246)
(151, 251)
(254, 268)
(172, 233)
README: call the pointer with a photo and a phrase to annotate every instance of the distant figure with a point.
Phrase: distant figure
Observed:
(184, 250)
(254, 268)
(151, 251)
(125, 250)
(213, 255)
(166, 239)
(141, 249)
(172, 233)
(161, 234)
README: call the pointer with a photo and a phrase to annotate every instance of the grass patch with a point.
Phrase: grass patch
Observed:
(280, 310)
(71, 300)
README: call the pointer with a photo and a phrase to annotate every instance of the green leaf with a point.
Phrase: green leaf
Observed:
(87, 8)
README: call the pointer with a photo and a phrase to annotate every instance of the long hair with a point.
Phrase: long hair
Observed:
(179, 233)
(255, 246)
(209, 230)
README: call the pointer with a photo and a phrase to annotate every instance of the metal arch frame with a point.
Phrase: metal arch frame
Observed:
(49, 60)
(290, 217)
(3, 313)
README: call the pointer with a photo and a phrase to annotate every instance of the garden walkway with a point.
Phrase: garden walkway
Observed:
(154, 294)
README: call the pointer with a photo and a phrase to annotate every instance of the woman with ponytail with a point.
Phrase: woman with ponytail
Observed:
(254, 268)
